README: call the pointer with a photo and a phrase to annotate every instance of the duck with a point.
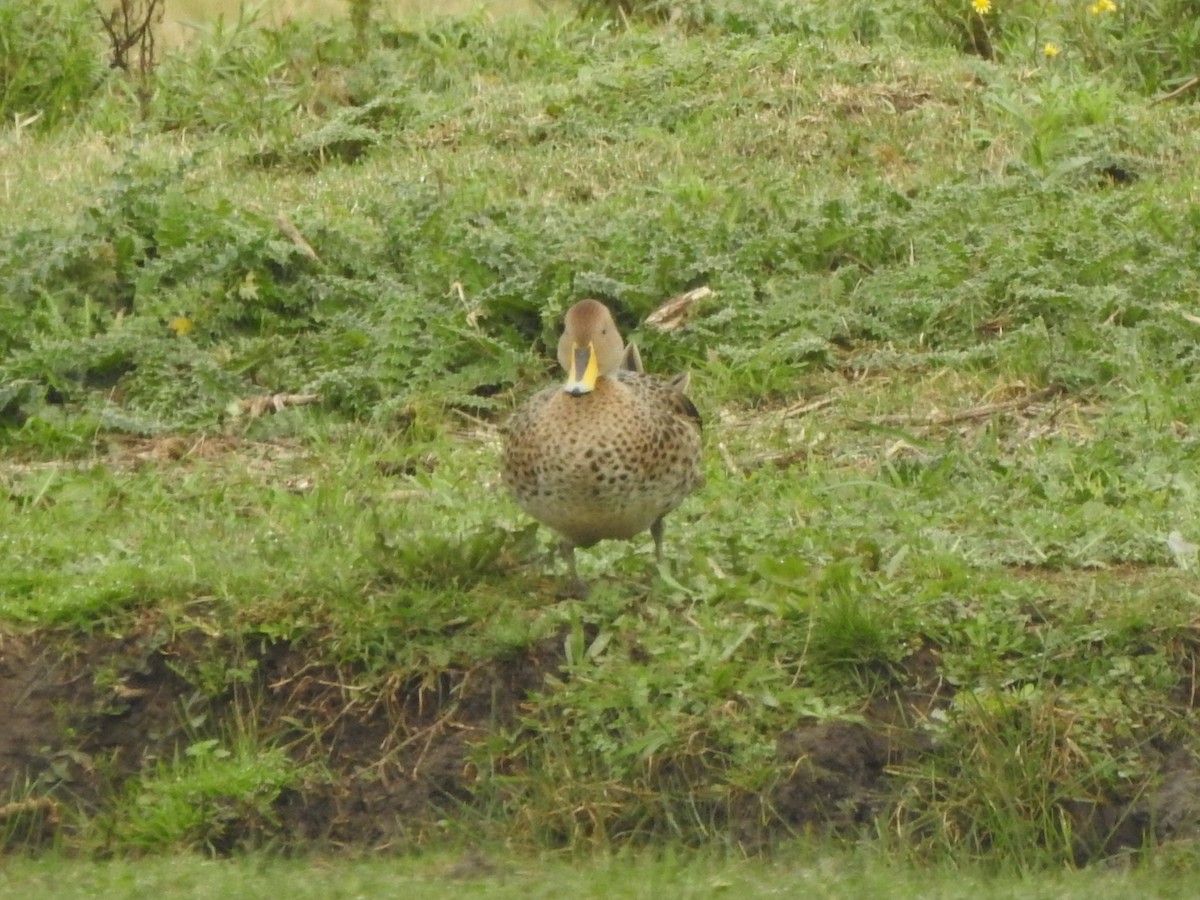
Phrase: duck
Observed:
(607, 454)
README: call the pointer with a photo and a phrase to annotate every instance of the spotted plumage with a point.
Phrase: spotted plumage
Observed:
(609, 453)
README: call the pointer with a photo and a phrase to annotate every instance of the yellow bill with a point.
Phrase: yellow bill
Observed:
(584, 371)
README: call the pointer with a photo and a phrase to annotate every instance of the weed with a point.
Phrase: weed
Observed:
(50, 63)
(211, 797)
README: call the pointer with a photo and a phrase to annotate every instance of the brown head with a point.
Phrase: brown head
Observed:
(590, 347)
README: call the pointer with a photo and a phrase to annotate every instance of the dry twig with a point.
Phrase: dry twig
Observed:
(265, 403)
(474, 313)
(1182, 89)
(967, 415)
(292, 233)
(32, 805)
(726, 457)
(675, 312)
(803, 409)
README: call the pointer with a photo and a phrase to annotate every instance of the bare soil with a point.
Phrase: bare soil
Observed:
(80, 716)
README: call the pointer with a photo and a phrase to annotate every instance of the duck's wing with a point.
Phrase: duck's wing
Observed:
(683, 405)
(632, 361)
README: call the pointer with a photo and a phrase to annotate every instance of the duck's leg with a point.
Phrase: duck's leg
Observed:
(576, 589)
(656, 532)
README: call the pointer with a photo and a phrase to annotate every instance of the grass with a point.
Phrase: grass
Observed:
(444, 875)
(927, 602)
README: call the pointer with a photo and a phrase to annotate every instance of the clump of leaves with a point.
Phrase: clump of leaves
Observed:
(257, 80)
(105, 307)
(50, 60)
(210, 798)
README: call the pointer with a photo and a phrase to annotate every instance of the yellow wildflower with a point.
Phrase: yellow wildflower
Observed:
(181, 325)
(1102, 6)
(983, 7)
(1051, 50)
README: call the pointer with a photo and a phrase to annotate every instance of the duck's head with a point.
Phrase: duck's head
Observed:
(590, 347)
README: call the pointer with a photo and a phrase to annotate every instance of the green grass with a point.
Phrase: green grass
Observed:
(443, 875)
(926, 601)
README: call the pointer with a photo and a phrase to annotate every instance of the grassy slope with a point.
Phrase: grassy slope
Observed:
(897, 230)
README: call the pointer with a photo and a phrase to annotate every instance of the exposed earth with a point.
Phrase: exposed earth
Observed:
(79, 717)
